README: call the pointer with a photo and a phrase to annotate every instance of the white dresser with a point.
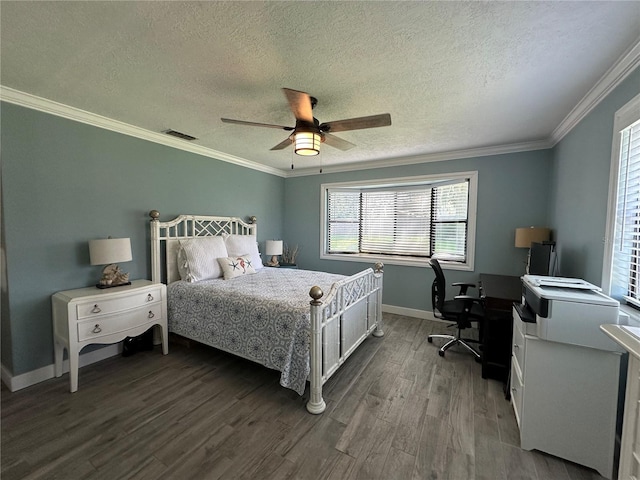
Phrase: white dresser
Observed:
(565, 375)
(629, 338)
(90, 315)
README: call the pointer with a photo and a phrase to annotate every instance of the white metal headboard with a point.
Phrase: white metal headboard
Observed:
(165, 237)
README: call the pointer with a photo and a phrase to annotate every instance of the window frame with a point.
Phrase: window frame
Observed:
(468, 265)
(624, 118)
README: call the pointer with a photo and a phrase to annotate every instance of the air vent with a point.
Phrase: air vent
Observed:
(181, 135)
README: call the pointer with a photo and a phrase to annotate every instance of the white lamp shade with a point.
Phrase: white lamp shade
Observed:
(274, 247)
(527, 235)
(307, 143)
(109, 250)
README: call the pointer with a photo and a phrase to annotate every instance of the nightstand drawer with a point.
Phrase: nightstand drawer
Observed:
(95, 308)
(108, 325)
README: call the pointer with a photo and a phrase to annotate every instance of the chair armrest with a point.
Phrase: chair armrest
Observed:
(468, 298)
(463, 287)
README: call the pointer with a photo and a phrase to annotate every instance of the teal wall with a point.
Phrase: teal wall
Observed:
(580, 186)
(65, 182)
(512, 192)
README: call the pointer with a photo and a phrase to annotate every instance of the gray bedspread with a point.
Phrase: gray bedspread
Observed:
(263, 317)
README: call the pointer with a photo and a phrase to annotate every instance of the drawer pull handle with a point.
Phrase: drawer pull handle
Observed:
(151, 314)
(515, 345)
(149, 298)
(96, 309)
(96, 329)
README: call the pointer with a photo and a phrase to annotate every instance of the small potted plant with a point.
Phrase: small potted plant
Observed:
(289, 255)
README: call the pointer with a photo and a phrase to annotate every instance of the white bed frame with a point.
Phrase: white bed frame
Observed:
(339, 323)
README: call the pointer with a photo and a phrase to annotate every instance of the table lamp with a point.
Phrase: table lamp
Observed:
(109, 251)
(274, 248)
(525, 236)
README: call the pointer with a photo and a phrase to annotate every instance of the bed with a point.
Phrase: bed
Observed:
(304, 324)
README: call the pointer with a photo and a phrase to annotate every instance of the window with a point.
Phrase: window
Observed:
(622, 259)
(402, 221)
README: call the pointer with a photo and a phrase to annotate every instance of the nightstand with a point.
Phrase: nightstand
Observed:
(89, 315)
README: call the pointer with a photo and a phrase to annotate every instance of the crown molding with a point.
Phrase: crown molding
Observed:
(27, 100)
(620, 70)
(34, 102)
(625, 64)
(426, 158)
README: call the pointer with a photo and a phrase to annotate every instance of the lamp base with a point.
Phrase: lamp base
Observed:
(273, 262)
(101, 286)
(112, 276)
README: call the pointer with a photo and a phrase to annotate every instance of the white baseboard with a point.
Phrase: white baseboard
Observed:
(410, 312)
(18, 382)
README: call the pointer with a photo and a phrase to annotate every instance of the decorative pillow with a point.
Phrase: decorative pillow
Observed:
(238, 245)
(233, 267)
(197, 258)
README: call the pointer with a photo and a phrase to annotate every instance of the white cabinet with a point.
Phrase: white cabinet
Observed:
(630, 448)
(629, 338)
(89, 315)
(565, 398)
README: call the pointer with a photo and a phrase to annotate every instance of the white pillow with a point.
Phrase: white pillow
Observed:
(233, 267)
(197, 258)
(238, 245)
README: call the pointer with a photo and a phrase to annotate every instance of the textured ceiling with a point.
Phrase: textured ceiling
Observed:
(453, 75)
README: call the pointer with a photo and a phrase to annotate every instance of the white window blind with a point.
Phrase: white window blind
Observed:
(626, 247)
(410, 221)
(450, 214)
(344, 221)
(396, 222)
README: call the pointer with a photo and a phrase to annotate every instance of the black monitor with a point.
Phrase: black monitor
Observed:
(541, 259)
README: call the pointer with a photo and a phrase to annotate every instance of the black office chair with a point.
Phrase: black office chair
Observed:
(462, 310)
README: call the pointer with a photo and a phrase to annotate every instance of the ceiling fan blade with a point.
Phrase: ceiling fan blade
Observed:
(382, 120)
(283, 144)
(337, 142)
(255, 124)
(300, 104)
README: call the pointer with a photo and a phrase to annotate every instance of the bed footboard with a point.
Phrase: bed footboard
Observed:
(343, 320)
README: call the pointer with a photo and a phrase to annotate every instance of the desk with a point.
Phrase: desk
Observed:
(498, 292)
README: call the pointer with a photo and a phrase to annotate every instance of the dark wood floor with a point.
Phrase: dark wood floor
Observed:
(396, 410)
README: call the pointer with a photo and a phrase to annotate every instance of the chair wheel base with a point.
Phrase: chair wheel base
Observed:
(441, 353)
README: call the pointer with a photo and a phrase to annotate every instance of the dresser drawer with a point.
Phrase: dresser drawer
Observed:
(106, 325)
(96, 308)
(517, 389)
(519, 344)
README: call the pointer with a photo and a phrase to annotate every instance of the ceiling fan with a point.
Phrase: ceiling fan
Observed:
(309, 132)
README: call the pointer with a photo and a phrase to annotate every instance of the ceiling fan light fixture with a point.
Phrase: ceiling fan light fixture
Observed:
(307, 143)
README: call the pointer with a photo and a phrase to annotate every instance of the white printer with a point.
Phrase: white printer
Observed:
(565, 371)
(571, 310)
